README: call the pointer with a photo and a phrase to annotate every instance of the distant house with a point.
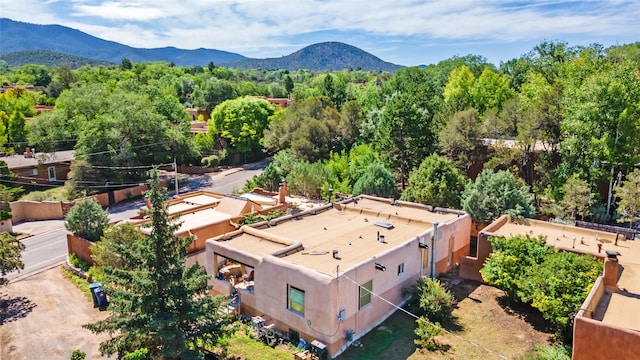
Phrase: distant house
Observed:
(282, 103)
(41, 168)
(315, 273)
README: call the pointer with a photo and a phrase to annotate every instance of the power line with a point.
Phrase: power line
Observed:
(424, 319)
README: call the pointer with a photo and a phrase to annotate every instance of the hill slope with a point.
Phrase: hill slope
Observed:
(17, 36)
(321, 57)
(48, 58)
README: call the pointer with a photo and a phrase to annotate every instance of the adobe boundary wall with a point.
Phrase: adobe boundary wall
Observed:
(26, 210)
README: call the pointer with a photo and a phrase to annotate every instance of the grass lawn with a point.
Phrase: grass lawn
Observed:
(480, 318)
(241, 346)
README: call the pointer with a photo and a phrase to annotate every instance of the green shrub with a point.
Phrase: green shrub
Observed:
(87, 220)
(211, 161)
(78, 355)
(426, 332)
(435, 301)
(78, 263)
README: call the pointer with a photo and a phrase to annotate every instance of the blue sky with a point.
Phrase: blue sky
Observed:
(404, 32)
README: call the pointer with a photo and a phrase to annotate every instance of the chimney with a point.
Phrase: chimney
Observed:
(611, 269)
(282, 192)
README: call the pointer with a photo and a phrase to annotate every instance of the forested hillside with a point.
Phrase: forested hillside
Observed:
(18, 36)
(327, 56)
(48, 58)
(553, 133)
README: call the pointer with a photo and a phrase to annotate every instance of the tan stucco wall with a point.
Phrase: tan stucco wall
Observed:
(35, 210)
(206, 232)
(80, 247)
(594, 340)
(124, 194)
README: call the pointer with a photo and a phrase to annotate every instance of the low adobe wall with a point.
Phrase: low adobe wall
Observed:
(36, 210)
(595, 340)
(80, 247)
(22, 210)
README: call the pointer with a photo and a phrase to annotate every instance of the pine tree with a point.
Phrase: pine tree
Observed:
(156, 302)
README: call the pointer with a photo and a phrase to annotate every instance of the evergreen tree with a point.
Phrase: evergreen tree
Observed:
(158, 303)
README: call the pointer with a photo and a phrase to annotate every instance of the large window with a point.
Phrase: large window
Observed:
(296, 299)
(365, 294)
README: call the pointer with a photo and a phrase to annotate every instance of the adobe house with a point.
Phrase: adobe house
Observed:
(42, 168)
(607, 325)
(315, 273)
(202, 214)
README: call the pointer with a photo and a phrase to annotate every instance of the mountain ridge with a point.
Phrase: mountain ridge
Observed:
(325, 56)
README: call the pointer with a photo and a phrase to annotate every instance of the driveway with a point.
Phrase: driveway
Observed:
(41, 317)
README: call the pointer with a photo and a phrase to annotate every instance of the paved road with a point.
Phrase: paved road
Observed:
(42, 252)
(48, 245)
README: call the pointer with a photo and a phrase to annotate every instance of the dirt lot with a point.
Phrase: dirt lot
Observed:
(480, 319)
(42, 318)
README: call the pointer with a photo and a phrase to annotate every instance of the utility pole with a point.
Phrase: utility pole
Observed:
(433, 250)
(175, 169)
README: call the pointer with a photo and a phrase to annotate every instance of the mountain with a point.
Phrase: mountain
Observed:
(18, 36)
(49, 58)
(326, 56)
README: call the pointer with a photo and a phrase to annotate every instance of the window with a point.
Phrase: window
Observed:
(52, 173)
(400, 269)
(295, 299)
(365, 294)
(33, 172)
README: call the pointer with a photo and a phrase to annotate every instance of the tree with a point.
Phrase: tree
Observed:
(495, 194)
(87, 219)
(510, 260)
(288, 84)
(405, 134)
(436, 182)
(577, 199)
(16, 129)
(435, 301)
(458, 93)
(559, 285)
(156, 302)
(461, 137)
(126, 64)
(241, 122)
(212, 93)
(115, 237)
(306, 179)
(629, 194)
(10, 253)
(376, 180)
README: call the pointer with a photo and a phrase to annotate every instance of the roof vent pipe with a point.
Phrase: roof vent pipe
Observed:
(335, 254)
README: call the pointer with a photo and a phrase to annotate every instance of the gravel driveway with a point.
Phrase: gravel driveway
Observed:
(41, 317)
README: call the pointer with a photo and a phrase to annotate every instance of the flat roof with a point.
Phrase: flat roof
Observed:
(616, 308)
(350, 229)
(16, 161)
(197, 219)
(620, 308)
(188, 202)
(255, 245)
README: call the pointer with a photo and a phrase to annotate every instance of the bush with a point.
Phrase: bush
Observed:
(87, 220)
(211, 161)
(426, 332)
(78, 355)
(435, 301)
(78, 263)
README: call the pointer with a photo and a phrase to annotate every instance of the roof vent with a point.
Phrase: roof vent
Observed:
(335, 254)
(384, 224)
